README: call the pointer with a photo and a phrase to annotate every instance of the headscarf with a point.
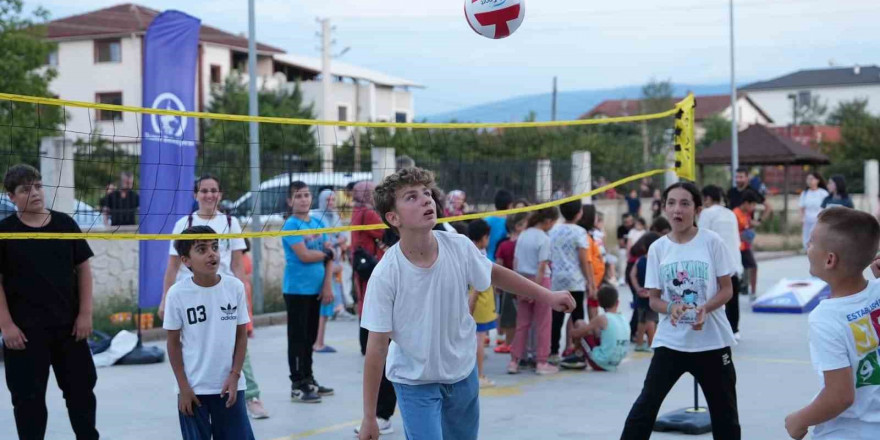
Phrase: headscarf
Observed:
(329, 217)
(362, 194)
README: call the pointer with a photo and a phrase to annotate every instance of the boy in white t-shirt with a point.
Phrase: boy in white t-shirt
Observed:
(418, 298)
(206, 318)
(844, 330)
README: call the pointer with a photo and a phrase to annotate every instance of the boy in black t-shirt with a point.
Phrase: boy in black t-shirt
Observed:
(45, 311)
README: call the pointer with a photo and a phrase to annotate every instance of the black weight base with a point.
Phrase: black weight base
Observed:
(143, 355)
(687, 421)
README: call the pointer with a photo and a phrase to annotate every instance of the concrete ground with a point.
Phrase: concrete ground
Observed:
(774, 378)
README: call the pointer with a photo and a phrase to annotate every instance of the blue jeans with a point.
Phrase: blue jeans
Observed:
(214, 418)
(439, 411)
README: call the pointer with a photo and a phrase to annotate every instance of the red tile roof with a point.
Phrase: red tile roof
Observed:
(760, 145)
(707, 106)
(130, 18)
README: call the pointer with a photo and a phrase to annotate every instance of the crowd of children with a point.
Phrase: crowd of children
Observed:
(519, 275)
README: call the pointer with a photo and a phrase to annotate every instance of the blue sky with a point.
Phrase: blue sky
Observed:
(587, 44)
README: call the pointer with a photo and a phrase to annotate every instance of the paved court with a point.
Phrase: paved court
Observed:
(774, 378)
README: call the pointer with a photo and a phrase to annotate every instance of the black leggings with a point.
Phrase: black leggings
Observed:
(716, 375)
(559, 319)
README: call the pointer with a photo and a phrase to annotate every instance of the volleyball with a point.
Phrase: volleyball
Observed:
(494, 19)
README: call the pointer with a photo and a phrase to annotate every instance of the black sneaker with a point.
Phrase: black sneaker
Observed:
(318, 389)
(574, 362)
(303, 393)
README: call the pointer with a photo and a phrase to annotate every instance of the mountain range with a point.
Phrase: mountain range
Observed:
(570, 104)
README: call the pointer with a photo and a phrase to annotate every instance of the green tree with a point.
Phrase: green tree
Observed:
(859, 141)
(717, 128)
(812, 112)
(283, 148)
(656, 98)
(25, 51)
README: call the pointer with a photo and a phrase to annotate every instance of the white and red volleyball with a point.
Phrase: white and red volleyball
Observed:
(495, 19)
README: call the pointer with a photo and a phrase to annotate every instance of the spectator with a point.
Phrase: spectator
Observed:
(122, 205)
(811, 203)
(646, 189)
(456, 203)
(102, 204)
(633, 203)
(838, 194)
(656, 205)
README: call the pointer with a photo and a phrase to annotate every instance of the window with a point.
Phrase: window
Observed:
(342, 115)
(400, 117)
(109, 98)
(52, 58)
(108, 51)
(804, 98)
(215, 74)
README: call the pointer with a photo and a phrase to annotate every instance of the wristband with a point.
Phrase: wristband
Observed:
(669, 307)
(235, 373)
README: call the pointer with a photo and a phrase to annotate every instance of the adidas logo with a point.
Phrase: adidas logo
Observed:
(229, 310)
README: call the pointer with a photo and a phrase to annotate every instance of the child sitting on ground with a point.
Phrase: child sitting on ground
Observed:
(605, 340)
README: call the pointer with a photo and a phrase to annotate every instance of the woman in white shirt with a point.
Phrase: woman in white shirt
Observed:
(811, 203)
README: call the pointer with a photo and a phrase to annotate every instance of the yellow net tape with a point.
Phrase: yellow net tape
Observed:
(684, 138)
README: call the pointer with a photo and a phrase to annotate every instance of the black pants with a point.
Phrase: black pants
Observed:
(716, 375)
(27, 375)
(387, 397)
(634, 319)
(302, 331)
(731, 309)
(559, 319)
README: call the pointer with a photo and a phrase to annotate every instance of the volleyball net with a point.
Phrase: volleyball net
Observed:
(91, 153)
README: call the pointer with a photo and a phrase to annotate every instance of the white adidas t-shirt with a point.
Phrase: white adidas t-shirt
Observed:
(688, 273)
(845, 332)
(426, 311)
(208, 318)
(221, 224)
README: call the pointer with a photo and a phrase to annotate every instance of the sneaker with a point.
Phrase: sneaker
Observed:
(544, 369)
(574, 362)
(255, 409)
(737, 336)
(568, 352)
(499, 341)
(343, 315)
(385, 427)
(513, 367)
(318, 389)
(325, 349)
(485, 382)
(303, 393)
(503, 349)
(643, 348)
(553, 359)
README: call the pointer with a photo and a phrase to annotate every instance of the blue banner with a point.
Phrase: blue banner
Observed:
(168, 148)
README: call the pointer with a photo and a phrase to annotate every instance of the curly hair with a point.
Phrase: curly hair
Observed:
(385, 195)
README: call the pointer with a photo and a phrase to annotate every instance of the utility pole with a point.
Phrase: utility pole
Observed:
(327, 138)
(553, 105)
(734, 132)
(253, 110)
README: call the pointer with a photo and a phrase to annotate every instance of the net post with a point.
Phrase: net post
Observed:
(544, 181)
(581, 174)
(56, 166)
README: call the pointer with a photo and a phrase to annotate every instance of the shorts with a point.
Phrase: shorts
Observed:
(611, 259)
(327, 310)
(508, 310)
(748, 259)
(644, 312)
(486, 326)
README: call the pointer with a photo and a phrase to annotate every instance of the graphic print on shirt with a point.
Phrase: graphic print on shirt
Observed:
(686, 282)
(229, 313)
(865, 327)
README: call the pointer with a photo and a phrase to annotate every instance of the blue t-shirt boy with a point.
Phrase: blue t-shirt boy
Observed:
(303, 278)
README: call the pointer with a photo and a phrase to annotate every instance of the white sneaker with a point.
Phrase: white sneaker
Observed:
(385, 427)
(256, 410)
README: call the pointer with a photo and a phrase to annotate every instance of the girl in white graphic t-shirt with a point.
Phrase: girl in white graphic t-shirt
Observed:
(688, 280)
